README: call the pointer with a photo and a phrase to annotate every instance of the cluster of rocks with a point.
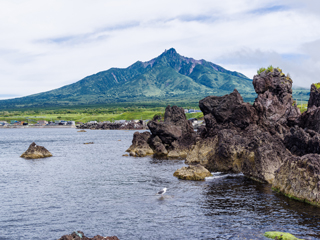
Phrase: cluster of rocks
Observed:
(131, 125)
(269, 141)
(78, 235)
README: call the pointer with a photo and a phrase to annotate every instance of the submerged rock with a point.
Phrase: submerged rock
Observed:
(34, 151)
(193, 172)
(299, 178)
(78, 235)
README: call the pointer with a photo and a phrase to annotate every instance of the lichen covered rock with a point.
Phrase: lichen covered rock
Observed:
(299, 178)
(34, 151)
(193, 172)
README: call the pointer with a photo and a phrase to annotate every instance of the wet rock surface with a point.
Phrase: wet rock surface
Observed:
(193, 172)
(34, 151)
(78, 235)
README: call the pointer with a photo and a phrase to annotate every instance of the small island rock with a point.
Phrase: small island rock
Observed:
(193, 172)
(34, 151)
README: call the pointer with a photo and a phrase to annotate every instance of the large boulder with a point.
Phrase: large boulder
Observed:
(78, 235)
(299, 178)
(193, 172)
(34, 151)
(140, 146)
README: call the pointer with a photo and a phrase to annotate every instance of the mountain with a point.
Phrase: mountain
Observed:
(170, 76)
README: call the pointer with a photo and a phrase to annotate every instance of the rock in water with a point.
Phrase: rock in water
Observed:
(193, 172)
(34, 151)
(299, 178)
(78, 235)
(140, 146)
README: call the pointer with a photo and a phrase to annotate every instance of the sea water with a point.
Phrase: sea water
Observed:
(94, 189)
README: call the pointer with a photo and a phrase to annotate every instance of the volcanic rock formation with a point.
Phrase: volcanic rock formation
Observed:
(269, 141)
(34, 151)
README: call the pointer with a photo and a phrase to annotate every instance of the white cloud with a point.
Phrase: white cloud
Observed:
(48, 44)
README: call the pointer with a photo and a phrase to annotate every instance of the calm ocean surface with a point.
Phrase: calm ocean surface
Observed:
(93, 188)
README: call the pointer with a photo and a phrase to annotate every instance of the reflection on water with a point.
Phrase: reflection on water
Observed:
(251, 205)
(95, 189)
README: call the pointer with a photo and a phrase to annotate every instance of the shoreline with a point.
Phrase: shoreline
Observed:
(28, 126)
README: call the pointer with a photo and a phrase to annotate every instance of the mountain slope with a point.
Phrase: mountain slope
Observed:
(169, 76)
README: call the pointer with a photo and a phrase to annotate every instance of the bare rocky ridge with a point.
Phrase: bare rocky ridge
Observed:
(266, 141)
(34, 151)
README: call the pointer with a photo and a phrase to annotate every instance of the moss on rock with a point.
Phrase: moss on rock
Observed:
(280, 236)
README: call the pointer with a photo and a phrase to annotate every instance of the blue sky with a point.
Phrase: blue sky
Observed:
(47, 44)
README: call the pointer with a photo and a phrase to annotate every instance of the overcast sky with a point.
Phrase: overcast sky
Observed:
(47, 44)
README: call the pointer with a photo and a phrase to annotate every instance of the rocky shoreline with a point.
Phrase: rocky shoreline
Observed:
(114, 126)
(269, 141)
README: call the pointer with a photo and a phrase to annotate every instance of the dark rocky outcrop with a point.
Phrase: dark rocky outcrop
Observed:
(171, 137)
(314, 99)
(299, 178)
(194, 172)
(34, 151)
(274, 103)
(310, 118)
(78, 235)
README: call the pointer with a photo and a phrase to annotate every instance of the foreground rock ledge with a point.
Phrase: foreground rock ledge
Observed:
(80, 236)
(34, 151)
(299, 178)
(195, 173)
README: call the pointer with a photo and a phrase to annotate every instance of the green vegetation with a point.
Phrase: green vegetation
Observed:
(280, 236)
(260, 70)
(317, 85)
(88, 114)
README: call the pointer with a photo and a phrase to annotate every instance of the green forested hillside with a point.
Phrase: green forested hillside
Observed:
(168, 77)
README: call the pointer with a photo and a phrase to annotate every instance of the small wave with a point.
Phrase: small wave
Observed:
(217, 175)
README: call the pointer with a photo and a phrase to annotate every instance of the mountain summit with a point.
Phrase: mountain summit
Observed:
(169, 76)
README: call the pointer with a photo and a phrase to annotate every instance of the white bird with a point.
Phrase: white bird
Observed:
(162, 191)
